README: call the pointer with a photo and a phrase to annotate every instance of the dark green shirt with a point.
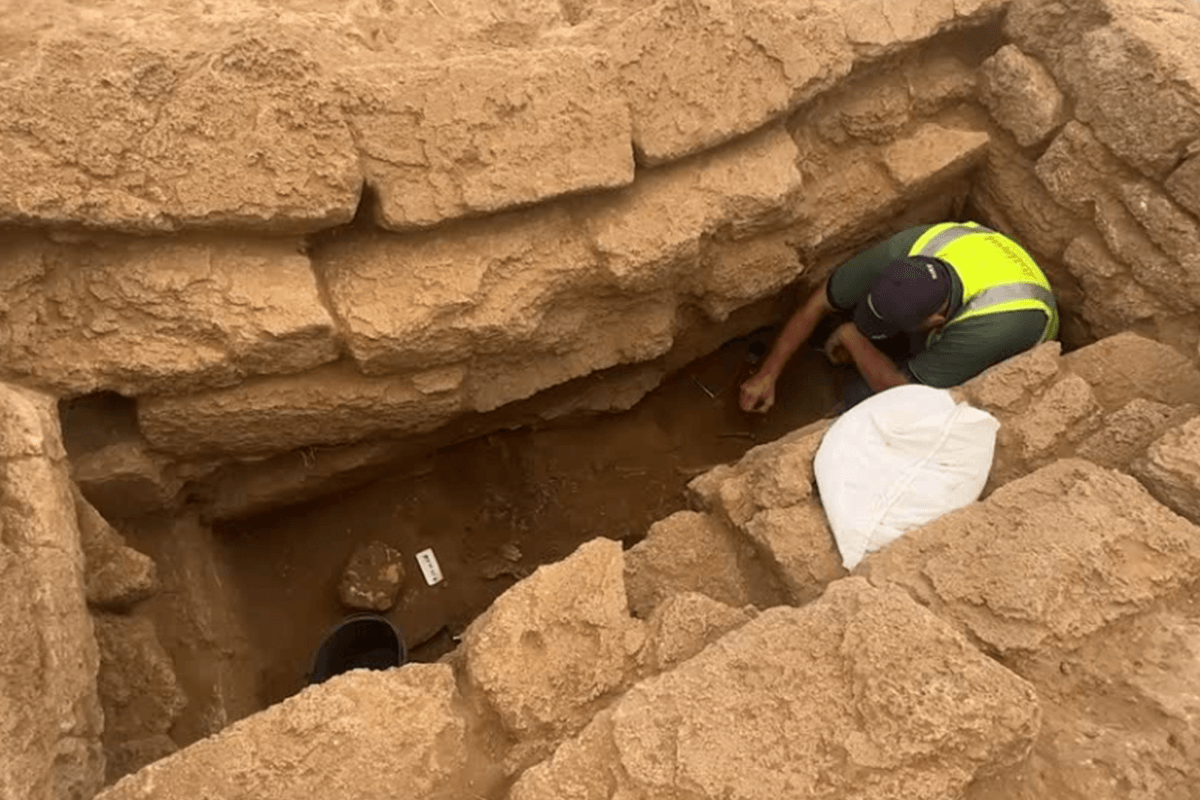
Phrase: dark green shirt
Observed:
(957, 352)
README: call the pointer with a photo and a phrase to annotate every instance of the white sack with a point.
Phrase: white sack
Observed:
(899, 460)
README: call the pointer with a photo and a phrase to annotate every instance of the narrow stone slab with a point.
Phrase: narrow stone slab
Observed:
(861, 694)
(50, 718)
(1047, 559)
(475, 135)
(130, 138)
(362, 734)
(157, 315)
(934, 154)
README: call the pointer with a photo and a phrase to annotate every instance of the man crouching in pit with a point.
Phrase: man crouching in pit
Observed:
(945, 301)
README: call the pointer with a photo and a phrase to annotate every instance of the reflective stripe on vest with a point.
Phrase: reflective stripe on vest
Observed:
(945, 238)
(995, 295)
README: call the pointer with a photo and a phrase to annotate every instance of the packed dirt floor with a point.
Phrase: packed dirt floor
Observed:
(496, 508)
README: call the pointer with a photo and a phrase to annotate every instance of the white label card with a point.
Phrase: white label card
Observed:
(430, 568)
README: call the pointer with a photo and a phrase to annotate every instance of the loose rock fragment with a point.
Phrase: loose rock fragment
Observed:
(373, 577)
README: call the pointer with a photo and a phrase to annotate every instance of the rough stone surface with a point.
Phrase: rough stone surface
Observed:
(1113, 301)
(798, 543)
(700, 73)
(1171, 469)
(1004, 387)
(138, 138)
(158, 315)
(932, 155)
(116, 576)
(138, 689)
(1184, 185)
(373, 577)
(1127, 366)
(1021, 95)
(362, 734)
(331, 405)
(1128, 433)
(123, 480)
(1137, 83)
(50, 718)
(1062, 415)
(555, 644)
(1172, 229)
(684, 624)
(862, 694)
(531, 281)
(695, 553)
(1047, 559)
(478, 134)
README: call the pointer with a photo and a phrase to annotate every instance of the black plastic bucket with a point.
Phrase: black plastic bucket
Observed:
(360, 641)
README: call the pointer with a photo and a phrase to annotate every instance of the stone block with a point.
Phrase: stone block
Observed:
(362, 734)
(1113, 300)
(1047, 559)
(116, 577)
(778, 474)
(1172, 229)
(1129, 432)
(1058, 418)
(1127, 366)
(689, 552)
(123, 480)
(861, 694)
(1136, 82)
(698, 74)
(139, 692)
(1171, 469)
(1077, 169)
(50, 717)
(684, 624)
(555, 645)
(797, 542)
(147, 139)
(158, 315)
(1184, 184)
(934, 155)
(1008, 386)
(328, 406)
(477, 134)
(1022, 96)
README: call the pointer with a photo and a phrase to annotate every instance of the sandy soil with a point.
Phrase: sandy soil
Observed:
(495, 508)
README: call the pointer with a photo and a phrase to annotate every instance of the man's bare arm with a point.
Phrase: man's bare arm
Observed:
(876, 368)
(758, 393)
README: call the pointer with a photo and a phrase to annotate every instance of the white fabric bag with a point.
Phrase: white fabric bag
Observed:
(899, 460)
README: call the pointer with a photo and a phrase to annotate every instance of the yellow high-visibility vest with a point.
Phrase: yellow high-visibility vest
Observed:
(997, 274)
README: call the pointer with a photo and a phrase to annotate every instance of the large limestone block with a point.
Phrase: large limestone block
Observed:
(1112, 300)
(554, 282)
(125, 136)
(1171, 469)
(1008, 386)
(139, 692)
(555, 645)
(1047, 559)
(1021, 95)
(798, 542)
(146, 315)
(1172, 229)
(332, 405)
(1127, 366)
(934, 155)
(478, 134)
(1137, 82)
(1078, 169)
(701, 72)
(862, 694)
(50, 718)
(362, 734)
(692, 553)
(116, 576)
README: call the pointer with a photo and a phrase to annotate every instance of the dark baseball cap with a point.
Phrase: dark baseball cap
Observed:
(910, 290)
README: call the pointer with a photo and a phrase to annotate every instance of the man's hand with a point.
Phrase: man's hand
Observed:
(835, 345)
(758, 393)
